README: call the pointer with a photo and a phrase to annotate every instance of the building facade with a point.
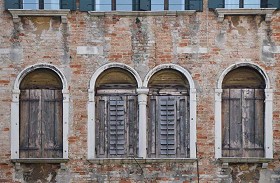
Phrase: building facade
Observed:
(139, 91)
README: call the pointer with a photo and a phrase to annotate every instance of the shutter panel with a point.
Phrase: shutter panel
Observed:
(68, 4)
(52, 123)
(87, 5)
(145, 5)
(135, 5)
(132, 125)
(182, 128)
(12, 4)
(167, 111)
(273, 4)
(116, 112)
(152, 127)
(213, 4)
(30, 124)
(196, 5)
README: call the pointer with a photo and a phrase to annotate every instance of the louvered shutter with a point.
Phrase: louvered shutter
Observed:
(12, 4)
(52, 123)
(30, 124)
(273, 4)
(68, 4)
(195, 5)
(167, 122)
(145, 5)
(213, 4)
(87, 5)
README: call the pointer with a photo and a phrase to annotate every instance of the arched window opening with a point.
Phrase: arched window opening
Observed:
(168, 115)
(243, 113)
(41, 105)
(116, 114)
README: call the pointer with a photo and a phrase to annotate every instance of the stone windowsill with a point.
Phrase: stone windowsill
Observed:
(141, 13)
(39, 160)
(221, 12)
(141, 160)
(16, 13)
(231, 160)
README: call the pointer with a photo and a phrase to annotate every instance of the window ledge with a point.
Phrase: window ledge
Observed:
(221, 12)
(141, 13)
(16, 13)
(225, 161)
(141, 160)
(39, 160)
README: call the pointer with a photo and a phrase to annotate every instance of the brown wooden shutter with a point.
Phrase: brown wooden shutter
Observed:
(243, 122)
(41, 123)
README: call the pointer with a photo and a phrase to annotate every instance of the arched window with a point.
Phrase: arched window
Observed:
(40, 110)
(116, 123)
(168, 115)
(243, 113)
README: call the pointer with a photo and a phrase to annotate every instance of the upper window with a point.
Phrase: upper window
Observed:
(247, 4)
(41, 130)
(168, 115)
(232, 4)
(116, 114)
(140, 5)
(40, 4)
(243, 113)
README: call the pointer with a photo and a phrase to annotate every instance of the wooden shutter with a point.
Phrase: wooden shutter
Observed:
(41, 123)
(145, 5)
(87, 5)
(12, 4)
(243, 122)
(30, 124)
(195, 5)
(52, 123)
(168, 128)
(116, 126)
(213, 4)
(68, 4)
(272, 4)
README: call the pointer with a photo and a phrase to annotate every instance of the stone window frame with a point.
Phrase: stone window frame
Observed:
(268, 131)
(142, 92)
(15, 116)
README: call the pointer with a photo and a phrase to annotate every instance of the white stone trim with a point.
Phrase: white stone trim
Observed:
(15, 108)
(268, 132)
(91, 102)
(192, 99)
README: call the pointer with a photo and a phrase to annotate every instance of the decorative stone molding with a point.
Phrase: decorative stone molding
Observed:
(16, 13)
(226, 161)
(141, 160)
(221, 12)
(141, 13)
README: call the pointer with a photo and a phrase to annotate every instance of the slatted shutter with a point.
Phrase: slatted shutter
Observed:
(168, 127)
(87, 5)
(68, 4)
(213, 4)
(12, 4)
(194, 5)
(40, 123)
(243, 122)
(116, 126)
(273, 4)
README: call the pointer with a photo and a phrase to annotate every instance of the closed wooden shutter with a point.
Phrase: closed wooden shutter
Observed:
(194, 5)
(87, 5)
(116, 126)
(12, 4)
(271, 4)
(145, 5)
(213, 4)
(243, 122)
(40, 123)
(168, 127)
(68, 4)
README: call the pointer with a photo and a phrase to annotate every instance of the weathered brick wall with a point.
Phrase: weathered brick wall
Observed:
(141, 42)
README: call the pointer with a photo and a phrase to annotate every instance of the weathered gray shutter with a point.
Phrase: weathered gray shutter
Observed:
(87, 5)
(273, 4)
(195, 5)
(12, 4)
(68, 4)
(243, 123)
(30, 124)
(132, 116)
(152, 127)
(213, 4)
(52, 123)
(145, 5)
(135, 5)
